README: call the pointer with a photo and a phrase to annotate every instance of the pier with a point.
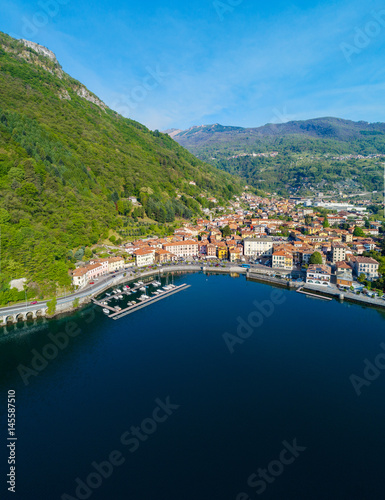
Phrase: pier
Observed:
(314, 295)
(139, 305)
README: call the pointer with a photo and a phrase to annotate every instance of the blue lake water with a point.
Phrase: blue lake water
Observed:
(285, 385)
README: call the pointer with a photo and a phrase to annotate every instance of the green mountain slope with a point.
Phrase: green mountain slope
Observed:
(313, 154)
(68, 165)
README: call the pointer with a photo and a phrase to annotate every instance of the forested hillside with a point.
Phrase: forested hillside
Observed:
(319, 154)
(68, 165)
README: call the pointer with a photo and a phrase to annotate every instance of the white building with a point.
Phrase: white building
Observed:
(187, 248)
(318, 274)
(366, 266)
(339, 252)
(144, 257)
(79, 276)
(96, 268)
(257, 247)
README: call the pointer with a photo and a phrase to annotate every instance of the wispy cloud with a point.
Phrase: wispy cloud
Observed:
(259, 58)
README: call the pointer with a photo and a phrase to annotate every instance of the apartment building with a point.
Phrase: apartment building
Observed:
(187, 248)
(318, 274)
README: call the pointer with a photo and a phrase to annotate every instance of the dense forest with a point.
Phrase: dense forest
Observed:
(69, 164)
(312, 154)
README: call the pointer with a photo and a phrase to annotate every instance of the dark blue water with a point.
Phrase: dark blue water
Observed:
(288, 380)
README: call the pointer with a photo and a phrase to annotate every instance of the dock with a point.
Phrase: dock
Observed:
(313, 294)
(139, 305)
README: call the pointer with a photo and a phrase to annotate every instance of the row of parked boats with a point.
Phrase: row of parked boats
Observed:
(118, 294)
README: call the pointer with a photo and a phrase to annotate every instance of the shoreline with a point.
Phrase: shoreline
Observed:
(67, 308)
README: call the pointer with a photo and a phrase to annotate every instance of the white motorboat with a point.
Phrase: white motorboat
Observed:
(106, 311)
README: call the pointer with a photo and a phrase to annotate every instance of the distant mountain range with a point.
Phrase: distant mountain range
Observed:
(312, 154)
(321, 128)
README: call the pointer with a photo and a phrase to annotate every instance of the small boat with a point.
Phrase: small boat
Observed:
(108, 294)
(142, 288)
(106, 311)
(132, 303)
(166, 288)
(140, 283)
(117, 308)
(144, 297)
(120, 296)
(105, 303)
(118, 291)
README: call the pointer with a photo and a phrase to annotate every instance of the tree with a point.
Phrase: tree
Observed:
(361, 278)
(88, 254)
(326, 222)
(75, 303)
(4, 216)
(358, 232)
(316, 258)
(51, 306)
(226, 231)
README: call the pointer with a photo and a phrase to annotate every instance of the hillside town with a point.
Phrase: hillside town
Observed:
(283, 235)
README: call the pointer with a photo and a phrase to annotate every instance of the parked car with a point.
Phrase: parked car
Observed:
(34, 302)
(92, 282)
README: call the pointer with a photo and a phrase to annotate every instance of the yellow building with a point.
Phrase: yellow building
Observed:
(222, 252)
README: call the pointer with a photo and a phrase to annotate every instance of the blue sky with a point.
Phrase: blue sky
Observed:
(236, 62)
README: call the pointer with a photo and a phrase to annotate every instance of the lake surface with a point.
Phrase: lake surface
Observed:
(210, 420)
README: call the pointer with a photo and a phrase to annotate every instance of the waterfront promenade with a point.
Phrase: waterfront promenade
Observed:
(24, 311)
